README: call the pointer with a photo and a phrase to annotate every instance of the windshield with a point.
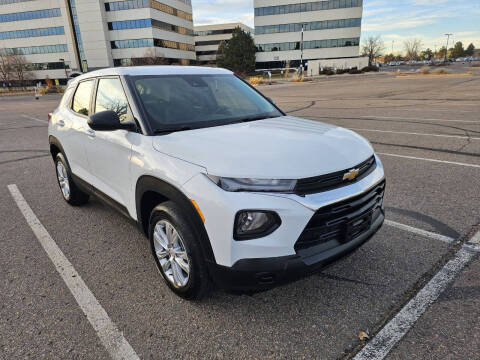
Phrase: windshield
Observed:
(181, 102)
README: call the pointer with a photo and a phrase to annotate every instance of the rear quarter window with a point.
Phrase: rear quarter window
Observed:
(67, 96)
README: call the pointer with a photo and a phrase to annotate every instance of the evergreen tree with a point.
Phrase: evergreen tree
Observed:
(238, 55)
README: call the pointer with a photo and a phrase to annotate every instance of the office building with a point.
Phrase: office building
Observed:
(208, 38)
(292, 30)
(92, 34)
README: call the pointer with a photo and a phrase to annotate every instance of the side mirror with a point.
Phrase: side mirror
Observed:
(106, 121)
(271, 100)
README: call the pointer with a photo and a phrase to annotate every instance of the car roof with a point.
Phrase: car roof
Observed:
(153, 70)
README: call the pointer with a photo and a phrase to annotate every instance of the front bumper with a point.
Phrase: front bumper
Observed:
(264, 273)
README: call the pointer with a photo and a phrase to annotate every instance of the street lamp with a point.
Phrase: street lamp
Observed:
(446, 49)
(64, 68)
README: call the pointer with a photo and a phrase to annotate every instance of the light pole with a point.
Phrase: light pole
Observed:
(301, 51)
(64, 68)
(393, 41)
(446, 49)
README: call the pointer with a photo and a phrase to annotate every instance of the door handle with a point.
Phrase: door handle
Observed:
(91, 133)
(61, 123)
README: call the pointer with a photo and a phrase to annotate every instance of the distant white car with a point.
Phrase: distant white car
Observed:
(228, 188)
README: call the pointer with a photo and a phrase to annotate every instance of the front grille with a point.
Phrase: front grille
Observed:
(334, 180)
(343, 221)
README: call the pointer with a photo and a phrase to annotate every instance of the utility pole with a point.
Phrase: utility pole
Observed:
(446, 49)
(301, 50)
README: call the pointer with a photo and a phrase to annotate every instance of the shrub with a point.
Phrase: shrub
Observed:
(327, 71)
(342, 71)
(298, 78)
(370, 68)
(424, 70)
(441, 72)
(354, 71)
(256, 80)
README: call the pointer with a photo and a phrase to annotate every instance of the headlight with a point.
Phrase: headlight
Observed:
(271, 185)
(252, 224)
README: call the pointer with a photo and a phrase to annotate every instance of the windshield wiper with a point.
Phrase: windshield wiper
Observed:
(169, 131)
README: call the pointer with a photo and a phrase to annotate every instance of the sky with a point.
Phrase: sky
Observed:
(395, 20)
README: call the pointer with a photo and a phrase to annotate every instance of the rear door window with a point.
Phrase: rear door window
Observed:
(81, 99)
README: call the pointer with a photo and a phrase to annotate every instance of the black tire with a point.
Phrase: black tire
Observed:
(198, 283)
(76, 196)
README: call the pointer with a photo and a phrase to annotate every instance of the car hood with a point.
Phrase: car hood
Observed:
(282, 148)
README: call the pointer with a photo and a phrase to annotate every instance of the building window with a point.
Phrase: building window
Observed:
(313, 44)
(138, 43)
(211, 52)
(5, 2)
(310, 26)
(144, 23)
(213, 32)
(30, 15)
(211, 42)
(305, 7)
(17, 34)
(31, 50)
(137, 4)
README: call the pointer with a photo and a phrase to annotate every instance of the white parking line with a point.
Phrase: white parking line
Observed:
(34, 118)
(421, 232)
(383, 342)
(431, 160)
(417, 134)
(111, 338)
(417, 119)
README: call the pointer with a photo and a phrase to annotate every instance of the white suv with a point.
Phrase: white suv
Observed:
(229, 189)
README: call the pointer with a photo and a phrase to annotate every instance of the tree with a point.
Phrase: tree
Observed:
(412, 49)
(372, 47)
(388, 58)
(427, 54)
(6, 67)
(470, 50)
(442, 52)
(149, 58)
(20, 68)
(458, 50)
(238, 54)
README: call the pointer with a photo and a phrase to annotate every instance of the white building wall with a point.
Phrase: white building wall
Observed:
(62, 20)
(215, 37)
(94, 33)
(305, 17)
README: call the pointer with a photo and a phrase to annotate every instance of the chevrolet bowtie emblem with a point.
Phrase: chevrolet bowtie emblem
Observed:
(351, 175)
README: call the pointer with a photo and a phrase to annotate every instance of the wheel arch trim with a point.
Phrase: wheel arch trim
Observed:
(149, 183)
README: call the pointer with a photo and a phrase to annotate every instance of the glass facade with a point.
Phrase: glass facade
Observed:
(314, 25)
(313, 44)
(209, 52)
(48, 66)
(5, 2)
(213, 32)
(76, 30)
(138, 43)
(211, 42)
(30, 50)
(307, 6)
(144, 23)
(17, 34)
(30, 15)
(137, 4)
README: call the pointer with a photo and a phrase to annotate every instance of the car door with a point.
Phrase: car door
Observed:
(73, 125)
(109, 152)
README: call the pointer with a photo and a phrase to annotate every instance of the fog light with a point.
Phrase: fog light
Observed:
(252, 224)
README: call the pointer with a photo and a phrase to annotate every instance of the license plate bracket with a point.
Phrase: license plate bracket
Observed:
(358, 226)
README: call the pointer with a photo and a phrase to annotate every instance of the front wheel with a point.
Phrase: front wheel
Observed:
(70, 192)
(177, 253)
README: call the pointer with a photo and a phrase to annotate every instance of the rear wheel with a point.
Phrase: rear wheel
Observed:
(177, 253)
(70, 192)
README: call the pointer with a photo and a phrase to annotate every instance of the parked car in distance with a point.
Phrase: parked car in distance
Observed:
(229, 190)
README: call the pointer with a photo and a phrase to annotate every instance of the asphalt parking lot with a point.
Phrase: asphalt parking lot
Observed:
(427, 132)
